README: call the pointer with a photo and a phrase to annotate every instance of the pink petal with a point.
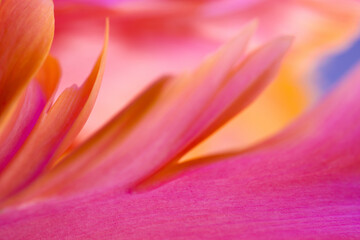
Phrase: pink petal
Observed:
(37, 95)
(25, 119)
(302, 184)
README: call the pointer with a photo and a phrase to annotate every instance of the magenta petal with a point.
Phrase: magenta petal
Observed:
(15, 135)
(303, 184)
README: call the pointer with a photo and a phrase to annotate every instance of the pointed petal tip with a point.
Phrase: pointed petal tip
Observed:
(107, 30)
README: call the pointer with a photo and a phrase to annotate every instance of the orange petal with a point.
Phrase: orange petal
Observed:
(246, 82)
(198, 97)
(48, 76)
(54, 132)
(210, 73)
(306, 188)
(87, 154)
(27, 29)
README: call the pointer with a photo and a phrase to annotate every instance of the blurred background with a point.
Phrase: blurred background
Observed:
(335, 66)
(153, 38)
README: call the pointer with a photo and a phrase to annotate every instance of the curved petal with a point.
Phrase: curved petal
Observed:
(143, 152)
(37, 95)
(162, 37)
(22, 122)
(329, 149)
(88, 153)
(49, 76)
(26, 33)
(54, 132)
(306, 188)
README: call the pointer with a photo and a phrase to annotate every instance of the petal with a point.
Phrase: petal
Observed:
(162, 37)
(221, 62)
(142, 152)
(22, 121)
(54, 132)
(21, 124)
(48, 76)
(27, 29)
(84, 156)
(303, 184)
(312, 147)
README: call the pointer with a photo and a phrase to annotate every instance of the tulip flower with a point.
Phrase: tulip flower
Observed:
(128, 180)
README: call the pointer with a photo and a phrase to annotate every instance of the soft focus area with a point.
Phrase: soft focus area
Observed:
(335, 66)
(150, 39)
(179, 119)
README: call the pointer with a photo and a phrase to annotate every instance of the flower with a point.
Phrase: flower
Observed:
(127, 180)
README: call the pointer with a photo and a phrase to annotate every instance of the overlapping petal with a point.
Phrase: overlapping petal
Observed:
(26, 33)
(129, 179)
(301, 184)
(161, 37)
(37, 95)
(54, 132)
(220, 88)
